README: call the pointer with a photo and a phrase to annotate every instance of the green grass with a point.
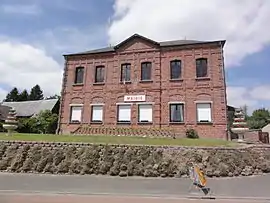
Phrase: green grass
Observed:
(117, 140)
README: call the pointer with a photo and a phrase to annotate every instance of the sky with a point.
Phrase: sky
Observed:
(34, 34)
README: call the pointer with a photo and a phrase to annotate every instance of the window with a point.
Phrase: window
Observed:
(146, 71)
(76, 114)
(145, 113)
(201, 67)
(176, 112)
(124, 113)
(79, 73)
(97, 113)
(125, 72)
(99, 75)
(175, 69)
(204, 112)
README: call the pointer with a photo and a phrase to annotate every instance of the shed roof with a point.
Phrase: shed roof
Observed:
(30, 108)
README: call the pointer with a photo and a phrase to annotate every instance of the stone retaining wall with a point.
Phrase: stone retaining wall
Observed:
(129, 160)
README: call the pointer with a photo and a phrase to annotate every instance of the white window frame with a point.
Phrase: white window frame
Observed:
(71, 113)
(118, 112)
(150, 120)
(210, 119)
(102, 113)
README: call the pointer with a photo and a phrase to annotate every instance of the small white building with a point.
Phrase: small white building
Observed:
(266, 129)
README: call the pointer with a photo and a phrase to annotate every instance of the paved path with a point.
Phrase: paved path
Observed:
(138, 188)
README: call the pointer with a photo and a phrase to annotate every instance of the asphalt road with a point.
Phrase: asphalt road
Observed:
(248, 188)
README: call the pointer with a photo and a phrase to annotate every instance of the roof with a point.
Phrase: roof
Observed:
(160, 44)
(4, 110)
(266, 128)
(30, 108)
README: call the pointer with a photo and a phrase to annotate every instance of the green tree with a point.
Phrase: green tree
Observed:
(259, 118)
(13, 95)
(24, 96)
(47, 122)
(36, 93)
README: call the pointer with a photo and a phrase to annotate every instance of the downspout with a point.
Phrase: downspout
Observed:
(225, 90)
(160, 89)
(62, 96)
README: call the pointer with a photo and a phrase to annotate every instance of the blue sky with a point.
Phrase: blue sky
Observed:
(35, 33)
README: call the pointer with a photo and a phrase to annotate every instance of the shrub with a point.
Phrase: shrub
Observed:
(192, 134)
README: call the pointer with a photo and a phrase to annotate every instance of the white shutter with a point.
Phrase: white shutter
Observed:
(145, 113)
(124, 113)
(97, 113)
(204, 112)
(76, 113)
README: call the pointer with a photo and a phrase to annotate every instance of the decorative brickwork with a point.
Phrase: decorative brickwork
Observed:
(160, 91)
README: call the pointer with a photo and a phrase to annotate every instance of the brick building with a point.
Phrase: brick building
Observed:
(141, 82)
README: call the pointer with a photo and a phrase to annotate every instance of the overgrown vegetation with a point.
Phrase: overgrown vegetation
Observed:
(192, 134)
(45, 122)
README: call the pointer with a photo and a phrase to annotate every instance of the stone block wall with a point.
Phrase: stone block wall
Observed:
(130, 160)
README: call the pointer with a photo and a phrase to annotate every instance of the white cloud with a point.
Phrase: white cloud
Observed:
(243, 23)
(256, 97)
(261, 92)
(23, 66)
(3, 94)
(27, 9)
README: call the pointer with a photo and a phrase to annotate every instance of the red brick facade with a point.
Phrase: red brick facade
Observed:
(160, 91)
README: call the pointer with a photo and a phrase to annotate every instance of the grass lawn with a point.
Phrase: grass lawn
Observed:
(117, 140)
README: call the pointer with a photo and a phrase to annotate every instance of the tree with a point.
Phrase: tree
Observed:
(13, 95)
(259, 118)
(36, 93)
(24, 96)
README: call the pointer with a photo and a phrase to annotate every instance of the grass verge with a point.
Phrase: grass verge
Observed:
(117, 140)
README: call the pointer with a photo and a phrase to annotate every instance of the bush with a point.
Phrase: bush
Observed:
(192, 134)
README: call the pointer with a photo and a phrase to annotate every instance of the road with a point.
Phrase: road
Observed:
(98, 188)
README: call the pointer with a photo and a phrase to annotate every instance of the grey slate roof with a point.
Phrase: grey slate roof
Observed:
(30, 108)
(161, 44)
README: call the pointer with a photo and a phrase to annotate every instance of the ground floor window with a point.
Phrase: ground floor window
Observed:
(204, 112)
(97, 113)
(176, 112)
(124, 113)
(76, 114)
(145, 113)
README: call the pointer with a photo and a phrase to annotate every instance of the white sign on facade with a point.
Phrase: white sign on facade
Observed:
(134, 98)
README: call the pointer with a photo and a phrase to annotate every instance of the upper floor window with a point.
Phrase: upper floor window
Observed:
(175, 69)
(79, 73)
(99, 75)
(125, 72)
(146, 71)
(201, 67)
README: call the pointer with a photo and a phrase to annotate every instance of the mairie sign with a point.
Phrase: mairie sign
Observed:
(134, 98)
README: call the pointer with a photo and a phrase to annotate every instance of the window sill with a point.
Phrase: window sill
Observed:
(205, 123)
(176, 80)
(145, 123)
(96, 122)
(74, 122)
(203, 78)
(77, 84)
(177, 123)
(126, 82)
(123, 123)
(99, 83)
(146, 81)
